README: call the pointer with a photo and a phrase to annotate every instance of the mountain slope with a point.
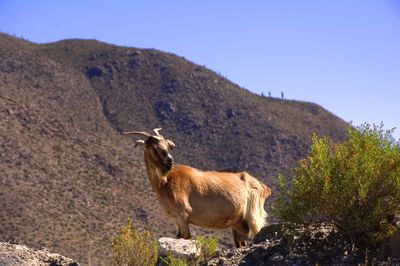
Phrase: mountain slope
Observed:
(69, 179)
(224, 125)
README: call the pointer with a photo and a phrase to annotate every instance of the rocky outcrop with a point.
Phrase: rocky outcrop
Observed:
(20, 255)
(288, 244)
(180, 248)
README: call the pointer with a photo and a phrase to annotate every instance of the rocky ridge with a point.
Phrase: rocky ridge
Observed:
(21, 255)
(290, 244)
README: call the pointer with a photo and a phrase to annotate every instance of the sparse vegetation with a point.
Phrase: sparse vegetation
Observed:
(133, 248)
(208, 247)
(354, 185)
(170, 260)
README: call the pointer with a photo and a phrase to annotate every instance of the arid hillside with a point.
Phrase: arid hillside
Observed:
(70, 180)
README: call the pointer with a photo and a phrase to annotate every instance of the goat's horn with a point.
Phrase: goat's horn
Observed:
(157, 131)
(139, 142)
(141, 133)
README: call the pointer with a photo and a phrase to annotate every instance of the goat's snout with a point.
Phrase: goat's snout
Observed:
(168, 162)
(170, 159)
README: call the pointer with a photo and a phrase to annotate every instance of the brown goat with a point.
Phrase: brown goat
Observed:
(208, 199)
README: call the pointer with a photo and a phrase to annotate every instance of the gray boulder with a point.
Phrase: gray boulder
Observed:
(20, 255)
(180, 248)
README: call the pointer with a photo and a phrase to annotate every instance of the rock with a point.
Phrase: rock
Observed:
(294, 244)
(11, 111)
(391, 246)
(276, 258)
(13, 255)
(180, 248)
(94, 72)
(170, 86)
(164, 109)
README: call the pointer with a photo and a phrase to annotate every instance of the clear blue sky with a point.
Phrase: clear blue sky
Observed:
(342, 54)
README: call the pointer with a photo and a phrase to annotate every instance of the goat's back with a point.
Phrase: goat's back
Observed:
(217, 199)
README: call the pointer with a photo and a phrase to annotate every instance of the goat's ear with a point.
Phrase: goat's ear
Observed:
(139, 142)
(171, 145)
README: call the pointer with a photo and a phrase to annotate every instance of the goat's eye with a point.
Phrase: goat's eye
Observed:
(163, 153)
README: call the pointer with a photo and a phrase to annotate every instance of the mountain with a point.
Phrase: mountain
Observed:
(70, 180)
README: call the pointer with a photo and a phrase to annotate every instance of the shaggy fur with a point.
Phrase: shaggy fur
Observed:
(208, 199)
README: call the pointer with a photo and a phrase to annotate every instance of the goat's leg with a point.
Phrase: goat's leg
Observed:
(235, 238)
(182, 220)
(240, 232)
(180, 235)
(183, 224)
(184, 231)
(239, 239)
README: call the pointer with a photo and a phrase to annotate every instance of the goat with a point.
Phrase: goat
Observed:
(209, 199)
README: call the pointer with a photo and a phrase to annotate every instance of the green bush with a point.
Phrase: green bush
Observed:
(131, 247)
(207, 245)
(170, 260)
(354, 185)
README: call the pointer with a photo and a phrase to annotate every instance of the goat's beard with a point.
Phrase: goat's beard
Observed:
(166, 167)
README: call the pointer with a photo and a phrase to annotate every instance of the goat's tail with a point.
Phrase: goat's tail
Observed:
(255, 215)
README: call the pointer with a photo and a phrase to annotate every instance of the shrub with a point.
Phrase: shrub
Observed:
(131, 247)
(354, 185)
(170, 260)
(207, 245)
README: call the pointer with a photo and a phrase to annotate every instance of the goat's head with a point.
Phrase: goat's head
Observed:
(156, 148)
